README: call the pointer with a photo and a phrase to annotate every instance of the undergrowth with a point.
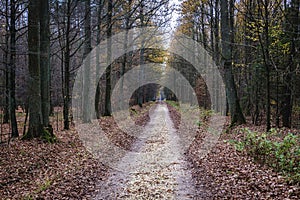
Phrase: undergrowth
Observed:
(281, 152)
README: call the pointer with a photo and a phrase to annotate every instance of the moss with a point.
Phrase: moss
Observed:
(48, 135)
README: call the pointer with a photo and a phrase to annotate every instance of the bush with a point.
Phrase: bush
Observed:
(270, 149)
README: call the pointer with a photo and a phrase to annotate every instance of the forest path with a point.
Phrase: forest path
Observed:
(157, 171)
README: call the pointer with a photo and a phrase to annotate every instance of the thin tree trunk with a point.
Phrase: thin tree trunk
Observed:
(12, 90)
(267, 63)
(204, 40)
(293, 24)
(107, 111)
(6, 54)
(87, 49)
(265, 44)
(99, 20)
(125, 45)
(67, 69)
(142, 59)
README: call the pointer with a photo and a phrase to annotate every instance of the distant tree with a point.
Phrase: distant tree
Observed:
(68, 36)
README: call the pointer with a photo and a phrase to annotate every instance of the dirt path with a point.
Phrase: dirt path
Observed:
(157, 171)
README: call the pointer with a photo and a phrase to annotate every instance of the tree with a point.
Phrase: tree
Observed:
(38, 47)
(265, 45)
(6, 61)
(127, 7)
(98, 39)
(107, 111)
(292, 31)
(12, 72)
(45, 60)
(35, 113)
(66, 40)
(236, 114)
(87, 49)
(140, 99)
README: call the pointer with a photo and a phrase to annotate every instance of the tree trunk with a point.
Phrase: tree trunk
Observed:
(236, 114)
(265, 45)
(142, 59)
(267, 65)
(67, 69)
(12, 79)
(99, 20)
(6, 60)
(87, 49)
(35, 114)
(107, 111)
(125, 45)
(292, 29)
(45, 60)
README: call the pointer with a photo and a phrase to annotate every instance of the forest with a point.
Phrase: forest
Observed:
(150, 99)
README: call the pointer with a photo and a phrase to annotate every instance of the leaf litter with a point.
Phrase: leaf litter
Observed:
(63, 170)
(225, 173)
(66, 170)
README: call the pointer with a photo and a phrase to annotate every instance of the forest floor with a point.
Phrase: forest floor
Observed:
(62, 170)
(66, 170)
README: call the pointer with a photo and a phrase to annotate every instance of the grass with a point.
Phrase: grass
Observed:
(175, 104)
(44, 186)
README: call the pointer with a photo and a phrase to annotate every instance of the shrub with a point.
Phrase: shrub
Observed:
(270, 149)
